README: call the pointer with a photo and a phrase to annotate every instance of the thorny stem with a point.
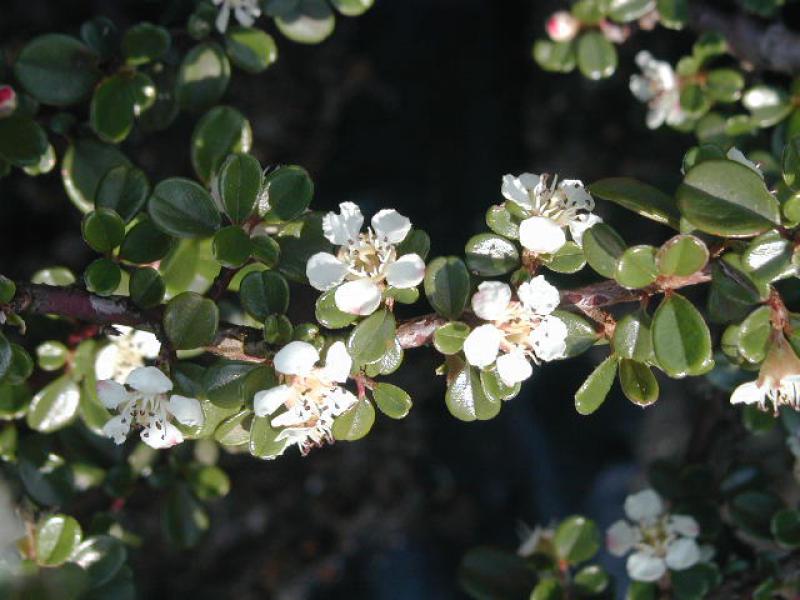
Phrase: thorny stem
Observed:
(247, 343)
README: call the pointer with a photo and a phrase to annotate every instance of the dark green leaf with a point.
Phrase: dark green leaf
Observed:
(203, 77)
(222, 131)
(182, 208)
(123, 189)
(240, 181)
(466, 399)
(594, 390)
(447, 286)
(355, 423)
(681, 340)
(288, 192)
(576, 539)
(489, 255)
(191, 321)
(641, 198)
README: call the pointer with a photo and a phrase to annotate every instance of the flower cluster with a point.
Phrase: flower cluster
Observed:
(144, 400)
(659, 540)
(124, 353)
(245, 11)
(551, 209)
(660, 87)
(311, 395)
(365, 263)
(520, 331)
(778, 382)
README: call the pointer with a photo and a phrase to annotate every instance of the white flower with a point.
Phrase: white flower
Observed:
(245, 11)
(659, 540)
(365, 262)
(551, 208)
(518, 332)
(660, 87)
(310, 394)
(143, 400)
(778, 382)
(562, 26)
(534, 540)
(124, 353)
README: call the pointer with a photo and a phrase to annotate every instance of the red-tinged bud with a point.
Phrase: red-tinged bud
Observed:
(8, 100)
(562, 26)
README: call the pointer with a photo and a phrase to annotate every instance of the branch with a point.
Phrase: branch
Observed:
(764, 46)
(239, 342)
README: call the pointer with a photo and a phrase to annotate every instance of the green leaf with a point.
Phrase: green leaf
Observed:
(222, 131)
(548, 588)
(681, 256)
(723, 197)
(123, 189)
(725, 85)
(767, 105)
(673, 14)
(591, 580)
(85, 164)
(101, 35)
(299, 243)
(309, 22)
(576, 539)
(785, 527)
(625, 11)
(191, 321)
(790, 162)
(144, 43)
(6, 355)
(502, 222)
(117, 101)
(681, 340)
(495, 389)
(288, 192)
(416, 242)
(638, 590)
(223, 384)
(329, 315)
(641, 198)
(581, 335)
(203, 77)
(182, 208)
(447, 286)
(102, 276)
(556, 57)
(603, 248)
(103, 230)
(189, 264)
(146, 287)
(638, 382)
(632, 337)
(768, 258)
(392, 401)
(597, 57)
(145, 243)
(567, 259)
(449, 338)
(265, 250)
(355, 423)
(594, 390)
(490, 574)
(754, 335)
(466, 399)
(637, 267)
(43, 473)
(388, 363)
(8, 289)
(240, 181)
(56, 69)
(263, 440)
(231, 246)
(489, 255)
(753, 510)
(183, 518)
(55, 406)
(56, 539)
(263, 294)
(373, 337)
(250, 49)
(209, 482)
(101, 556)
(352, 8)
(22, 141)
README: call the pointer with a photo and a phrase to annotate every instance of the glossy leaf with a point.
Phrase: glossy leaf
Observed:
(641, 198)
(592, 393)
(681, 340)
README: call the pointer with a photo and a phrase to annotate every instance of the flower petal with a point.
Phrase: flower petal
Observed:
(187, 411)
(491, 300)
(145, 343)
(581, 225)
(155, 438)
(340, 401)
(541, 235)
(149, 380)
(112, 394)
(642, 566)
(539, 296)
(683, 525)
(576, 194)
(513, 368)
(337, 363)
(517, 189)
(621, 538)
(482, 345)
(748, 393)
(682, 554)
(268, 401)
(343, 228)
(390, 226)
(296, 358)
(359, 297)
(644, 506)
(105, 361)
(325, 271)
(294, 416)
(223, 17)
(549, 339)
(408, 271)
(116, 429)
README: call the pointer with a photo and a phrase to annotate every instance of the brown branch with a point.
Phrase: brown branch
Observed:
(239, 342)
(762, 45)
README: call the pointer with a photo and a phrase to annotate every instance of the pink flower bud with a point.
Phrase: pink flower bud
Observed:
(562, 26)
(614, 33)
(8, 100)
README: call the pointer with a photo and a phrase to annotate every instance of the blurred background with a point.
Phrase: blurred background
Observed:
(420, 105)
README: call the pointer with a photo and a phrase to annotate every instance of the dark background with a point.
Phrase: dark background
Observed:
(420, 105)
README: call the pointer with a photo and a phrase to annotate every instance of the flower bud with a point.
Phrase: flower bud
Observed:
(562, 26)
(8, 100)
